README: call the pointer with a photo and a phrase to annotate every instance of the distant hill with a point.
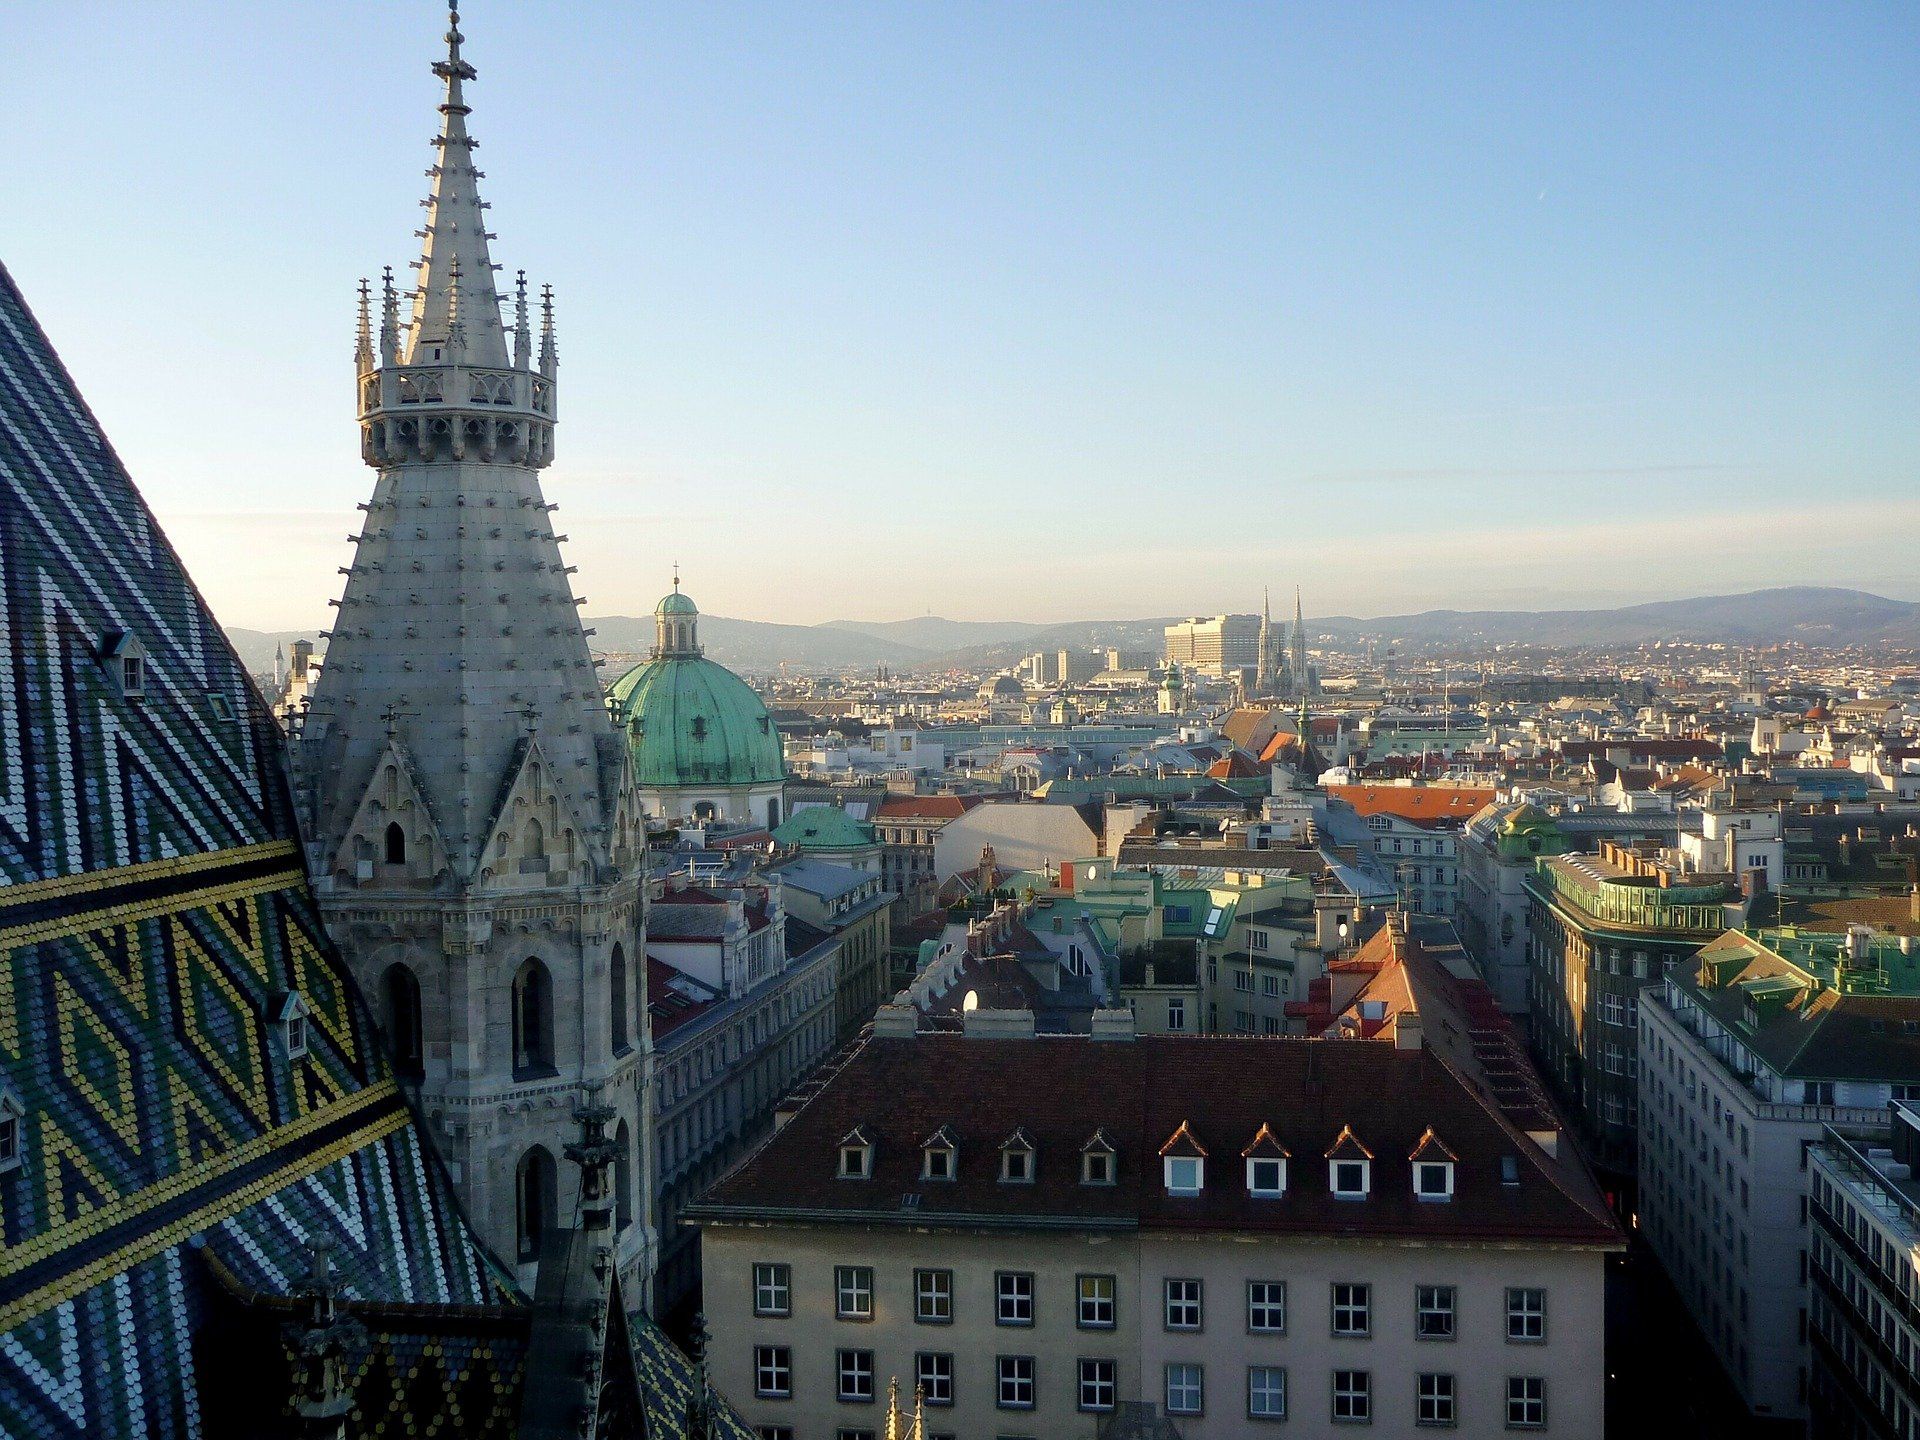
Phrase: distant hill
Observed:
(1814, 614)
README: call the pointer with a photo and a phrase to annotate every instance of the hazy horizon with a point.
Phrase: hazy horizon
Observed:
(870, 312)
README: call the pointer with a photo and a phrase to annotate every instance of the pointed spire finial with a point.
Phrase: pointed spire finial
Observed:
(389, 318)
(549, 350)
(363, 340)
(522, 331)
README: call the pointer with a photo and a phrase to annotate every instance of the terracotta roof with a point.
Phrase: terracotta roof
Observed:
(925, 807)
(1416, 802)
(1222, 1089)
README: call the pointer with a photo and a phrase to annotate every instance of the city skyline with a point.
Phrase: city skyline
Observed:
(1478, 295)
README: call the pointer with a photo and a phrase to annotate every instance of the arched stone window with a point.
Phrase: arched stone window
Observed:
(535, 1201)
(533, 847)
(532, 1020)
(402, 995)
(396, 844)
(617, 998)
(623, 1179)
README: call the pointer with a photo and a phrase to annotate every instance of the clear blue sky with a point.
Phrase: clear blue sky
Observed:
(1029, 311)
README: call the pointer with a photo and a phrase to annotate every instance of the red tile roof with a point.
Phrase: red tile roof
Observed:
(925, 807)
(1422, 803)
(1222, 1089)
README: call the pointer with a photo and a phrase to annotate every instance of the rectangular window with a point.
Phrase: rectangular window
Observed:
(1176, 1014)
(1097, 1384)
(933, 1297)
(855, 1368)
(773, 1289)
(1526, 1315)
(1186, 1389)
(1433, 1312)
(772, 1372)
(1267, 1307)
(1526, 1401)
(1184, 1174)
(1270, 986)
(1015, 1374)
(1352, 1397)
(1352, 1309)
(1243, 981)
(1183, 1305)
(1266, 1177)
(933, 1373)
(1266, 1392)
(853, 1292)
(1013, 1297)
(1436, 1400)
(1095, 1307)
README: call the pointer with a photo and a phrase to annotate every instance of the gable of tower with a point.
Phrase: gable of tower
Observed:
(535, 837)
(392, 840)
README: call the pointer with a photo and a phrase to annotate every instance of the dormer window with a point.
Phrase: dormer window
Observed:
(1432, 1169)
(13, 1124)
(126, 659)
(291, 1014)
(1266, 1161)
(1099, 1162)
(1349, 1167)
(1016, 1159)
(856, 1156)
(939, 1156)
(1183, 1162)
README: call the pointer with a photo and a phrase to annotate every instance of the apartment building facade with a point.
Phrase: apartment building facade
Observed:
(1864, 1322)
(1747, 1055)
(1238, 1231)
(1601, 928)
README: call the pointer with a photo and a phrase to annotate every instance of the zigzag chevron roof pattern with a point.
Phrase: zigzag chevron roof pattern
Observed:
(154, 915)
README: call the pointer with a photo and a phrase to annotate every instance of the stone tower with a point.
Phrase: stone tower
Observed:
(468, 804)
(1263, 670)
(1299, 678)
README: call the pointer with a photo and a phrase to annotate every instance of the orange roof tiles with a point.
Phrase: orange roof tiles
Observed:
(1416, 802)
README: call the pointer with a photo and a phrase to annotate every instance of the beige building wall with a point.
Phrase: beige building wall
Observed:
(729, 1253)
(1480, 1356)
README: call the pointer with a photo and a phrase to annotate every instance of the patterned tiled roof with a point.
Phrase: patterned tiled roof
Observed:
(154, 917)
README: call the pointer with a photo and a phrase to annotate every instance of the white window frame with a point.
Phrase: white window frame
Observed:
(1357, 1393)
(935, 1287)
(1436, 1399)
(1526, 1402)
(1366, 1179)
(1172, 1165)
(1186, 1387)
(1014, 1378)
(853, 1366)
(856, 1162)
(1013, 1303)
(1422, 1170)
(1348, 1299)
(1267, 1307)
(1098, 1388)
(1183, 1303)
(931, 1370)
(853, 1292)
(1272, 1165)
(1096, 1311)
(1526, 1315)
(772, 1288)
(773, 1372)
(1435, 1302)
(1268, 1382)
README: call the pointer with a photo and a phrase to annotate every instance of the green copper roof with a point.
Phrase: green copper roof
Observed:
(824, 827)
(691, 721)
(676, 602)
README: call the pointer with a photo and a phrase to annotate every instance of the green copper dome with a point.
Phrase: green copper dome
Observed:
(689, 720)
(676, 602)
